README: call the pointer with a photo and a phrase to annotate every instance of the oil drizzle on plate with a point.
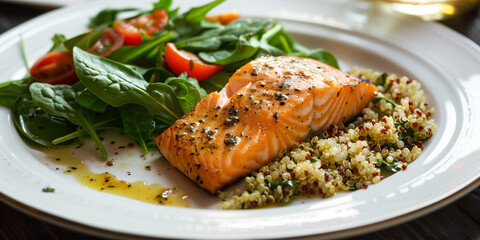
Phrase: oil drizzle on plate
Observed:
(108, 183)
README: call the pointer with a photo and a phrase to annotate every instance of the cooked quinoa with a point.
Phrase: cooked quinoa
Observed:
(386, 137)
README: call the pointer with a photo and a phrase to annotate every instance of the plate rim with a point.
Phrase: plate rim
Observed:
(406, 217)
(364, 229)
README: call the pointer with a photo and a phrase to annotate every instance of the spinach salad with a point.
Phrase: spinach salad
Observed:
(101, 84)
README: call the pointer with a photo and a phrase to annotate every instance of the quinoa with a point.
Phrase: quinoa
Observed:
(388, 135)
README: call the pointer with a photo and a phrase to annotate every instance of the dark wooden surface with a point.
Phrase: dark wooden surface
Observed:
(459, 220)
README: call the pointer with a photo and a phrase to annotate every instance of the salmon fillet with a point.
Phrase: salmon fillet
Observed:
(267, 106)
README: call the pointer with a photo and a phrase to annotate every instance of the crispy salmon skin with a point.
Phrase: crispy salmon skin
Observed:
(267, 105)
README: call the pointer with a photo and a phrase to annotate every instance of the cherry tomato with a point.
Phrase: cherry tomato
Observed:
(55, 67)
(180, 61)
(109, 42)
(132, 28)
(224, 18)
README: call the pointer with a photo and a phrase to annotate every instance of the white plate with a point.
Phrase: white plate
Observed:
(358, 33)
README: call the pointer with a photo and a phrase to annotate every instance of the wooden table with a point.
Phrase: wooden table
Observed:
(459, 220)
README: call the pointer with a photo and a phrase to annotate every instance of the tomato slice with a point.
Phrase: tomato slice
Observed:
(224, 18)
(55, 67)
(109, 42)
(180, 61)
(132, 28)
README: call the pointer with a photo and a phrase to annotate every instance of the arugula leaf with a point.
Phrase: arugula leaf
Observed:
(59, 100)
(138, 123)
(117, 85)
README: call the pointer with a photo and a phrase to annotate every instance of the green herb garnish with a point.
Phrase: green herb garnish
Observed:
(376, 99)
(393, 166)
(48, 189)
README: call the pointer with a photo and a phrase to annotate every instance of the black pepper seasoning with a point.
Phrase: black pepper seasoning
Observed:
(275, 115)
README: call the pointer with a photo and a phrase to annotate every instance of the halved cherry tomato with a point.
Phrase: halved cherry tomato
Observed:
(180, 61)
(224, 18)
(109, 42)
(132, 28)
(55, 68)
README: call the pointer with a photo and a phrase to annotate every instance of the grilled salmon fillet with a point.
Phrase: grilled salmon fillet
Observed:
(267, 106)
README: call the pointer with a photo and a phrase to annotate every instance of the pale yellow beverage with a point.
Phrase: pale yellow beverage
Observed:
(433, 9)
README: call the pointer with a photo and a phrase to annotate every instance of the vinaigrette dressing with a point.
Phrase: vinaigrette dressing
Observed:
(108, 183)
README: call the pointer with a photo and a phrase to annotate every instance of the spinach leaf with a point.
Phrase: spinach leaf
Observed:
(209, 44)
(211, 40)
(318, 54)
(216, 82)
(90, 101)
(59, 100)
(110, 119)
(273, 33)
(163, 4)
(36, 125)
(118, 85)
(164, 94)
(246, 48)
(85, 40)
(138, 123)
(107, 16)
(187, 90)
(197, 14)
(157, 75)
(10, 91)
(160, 125)
(128, 54)
(190, 23)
